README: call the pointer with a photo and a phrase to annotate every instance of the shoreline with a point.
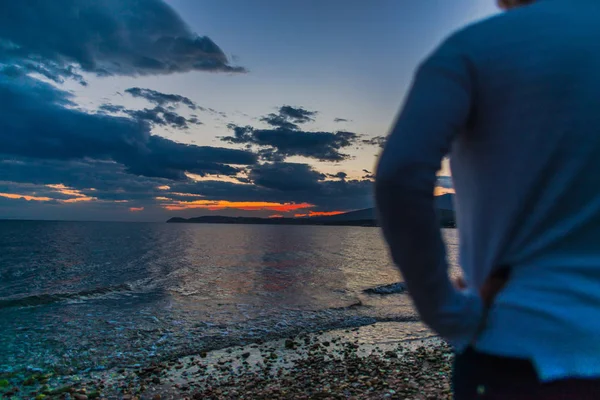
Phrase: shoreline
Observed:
(368, 362)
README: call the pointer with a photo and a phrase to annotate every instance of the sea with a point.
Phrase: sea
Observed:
(88, 296)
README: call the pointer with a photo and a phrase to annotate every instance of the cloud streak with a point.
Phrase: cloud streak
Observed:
(215, 205)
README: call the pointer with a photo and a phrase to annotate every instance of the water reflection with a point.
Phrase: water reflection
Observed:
(131, 291)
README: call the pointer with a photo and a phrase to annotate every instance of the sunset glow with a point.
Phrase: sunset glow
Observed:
(439, 191)
(78, 199)
(319, 214)
(24, 196)
(186, 194)
(204, 132)
(214, 205)
(77, 195)
(218, 178)
(136, 209)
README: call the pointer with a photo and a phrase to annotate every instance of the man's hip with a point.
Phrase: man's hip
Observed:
(479, 375)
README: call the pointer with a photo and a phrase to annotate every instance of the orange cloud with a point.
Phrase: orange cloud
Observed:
(78, 199)
(24, 196)
(218, 178)
(163, 187)
(276, 216)
(239, 205)
(319, 214)
(136, 209)
(186, 194)
(77, 195)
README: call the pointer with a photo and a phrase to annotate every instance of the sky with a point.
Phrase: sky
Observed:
(144, 110)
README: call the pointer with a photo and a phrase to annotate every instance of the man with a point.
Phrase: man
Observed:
(515, 101)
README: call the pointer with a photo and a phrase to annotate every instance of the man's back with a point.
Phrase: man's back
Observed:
(527, 176)
(534, 133)
(517, 100)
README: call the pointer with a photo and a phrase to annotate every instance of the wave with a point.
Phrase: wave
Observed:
(394, 288)
(45, 298)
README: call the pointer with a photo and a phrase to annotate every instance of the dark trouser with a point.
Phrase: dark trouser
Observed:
(483, 376)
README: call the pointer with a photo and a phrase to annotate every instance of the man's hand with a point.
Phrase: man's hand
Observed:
(490, 289)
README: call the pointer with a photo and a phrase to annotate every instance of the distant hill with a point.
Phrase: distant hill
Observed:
(358, 215)
(366, 217)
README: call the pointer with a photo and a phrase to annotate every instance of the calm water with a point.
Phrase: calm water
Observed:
(76, 296)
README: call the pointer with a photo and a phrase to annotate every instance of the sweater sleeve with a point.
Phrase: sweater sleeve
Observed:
(436, 110)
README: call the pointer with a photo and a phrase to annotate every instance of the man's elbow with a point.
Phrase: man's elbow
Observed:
(399, 178)
(390, 189)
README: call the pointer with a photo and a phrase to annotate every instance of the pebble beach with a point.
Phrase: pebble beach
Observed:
(356, 363)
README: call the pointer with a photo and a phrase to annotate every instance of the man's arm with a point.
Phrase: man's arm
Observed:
(436, 110)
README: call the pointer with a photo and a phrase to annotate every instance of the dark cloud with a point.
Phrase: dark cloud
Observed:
(108, 181)
(297, 114)
(36, 120)
(111, 108)
(105, 181)
(287, 182)
(279, 121)
(376, 141)
(340, 120)
(108, 37)
(289, 117)
(161, 99)
(112, 155)
(151, 116)
(215, 112)
(282, 143)
(339, 175)
(162, 117)
(344, 194)
(286, 176)
(368, 175)
(50, 71)
(168, 159)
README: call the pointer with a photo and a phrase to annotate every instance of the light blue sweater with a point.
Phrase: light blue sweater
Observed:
(515, 100)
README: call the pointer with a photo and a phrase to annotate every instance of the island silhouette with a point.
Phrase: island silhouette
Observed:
(364, 217)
